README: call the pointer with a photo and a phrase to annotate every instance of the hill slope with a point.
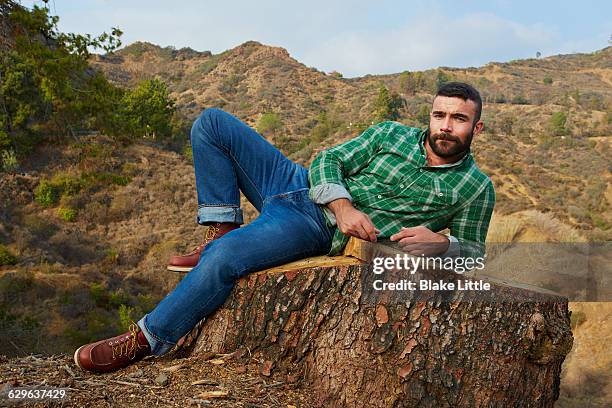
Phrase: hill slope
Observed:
(80, 277)
(533, 161)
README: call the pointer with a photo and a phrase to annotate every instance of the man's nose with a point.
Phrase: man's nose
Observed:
(446, 125)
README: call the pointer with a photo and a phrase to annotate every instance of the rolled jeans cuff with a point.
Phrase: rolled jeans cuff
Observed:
(220, 214)
(158, 346)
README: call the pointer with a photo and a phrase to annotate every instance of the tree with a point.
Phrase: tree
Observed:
(419, 80)
(46, 86)
(441, 78)
(387, 105)
(21, 100)
(407, 82)
(148, 110)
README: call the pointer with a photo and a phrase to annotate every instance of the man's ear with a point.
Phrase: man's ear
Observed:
(478, 127)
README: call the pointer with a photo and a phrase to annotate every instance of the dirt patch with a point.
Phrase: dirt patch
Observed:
(205, 381)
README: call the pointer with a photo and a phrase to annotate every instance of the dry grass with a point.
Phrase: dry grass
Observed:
(552, 229)
(503, 229)
(586, 379)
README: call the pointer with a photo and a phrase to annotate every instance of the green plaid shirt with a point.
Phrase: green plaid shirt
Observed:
(384, 173)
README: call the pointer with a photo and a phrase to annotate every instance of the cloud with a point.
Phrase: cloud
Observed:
(471, 40)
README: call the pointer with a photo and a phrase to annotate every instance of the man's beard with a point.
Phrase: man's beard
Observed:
(451, 146)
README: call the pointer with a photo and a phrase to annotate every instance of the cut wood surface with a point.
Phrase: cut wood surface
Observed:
(324, 327)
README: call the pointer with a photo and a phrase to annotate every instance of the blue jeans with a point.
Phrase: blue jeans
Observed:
(229, 157)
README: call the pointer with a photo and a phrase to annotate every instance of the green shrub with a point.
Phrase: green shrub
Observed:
(39, 226)
(98, 294)
(47, 194)
(187, 153)
(13, 283)
(129, 169)
(599, 221)
(557, 123)
(6, 257)
(125, 316)
(547, 80)
(67, 214)
(118, 298)
(269, 122)
(111, 256)
(9, 161)
(92, 179)
(94, 150)
(68, 184)
(29, 323)
(520, 100)
(106, 299)
(327, 124)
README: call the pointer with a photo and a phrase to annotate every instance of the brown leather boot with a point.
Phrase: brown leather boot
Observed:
(112, 354)
(185, 263)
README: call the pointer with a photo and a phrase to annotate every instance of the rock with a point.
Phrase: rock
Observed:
(136, 374)
(162, 380)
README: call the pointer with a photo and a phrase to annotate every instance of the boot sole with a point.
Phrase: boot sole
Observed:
(179, 268)
(76, 360)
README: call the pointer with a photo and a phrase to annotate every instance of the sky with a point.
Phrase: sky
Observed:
(355, 37)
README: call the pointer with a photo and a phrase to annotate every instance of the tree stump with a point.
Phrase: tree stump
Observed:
(322, 326)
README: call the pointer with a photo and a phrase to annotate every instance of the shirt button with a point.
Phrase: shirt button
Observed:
(440, 194)
(401, 186)
(379, 196)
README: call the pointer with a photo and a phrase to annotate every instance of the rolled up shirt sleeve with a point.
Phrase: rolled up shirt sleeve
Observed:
(328, 192)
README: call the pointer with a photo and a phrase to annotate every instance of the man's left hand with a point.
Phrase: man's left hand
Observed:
(421, 241)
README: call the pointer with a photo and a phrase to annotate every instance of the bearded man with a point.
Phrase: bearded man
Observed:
(392, 181)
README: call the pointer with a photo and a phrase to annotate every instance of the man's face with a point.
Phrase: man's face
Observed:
(451, 126)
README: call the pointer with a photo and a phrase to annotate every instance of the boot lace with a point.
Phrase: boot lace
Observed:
(211, 233)
(127, 346)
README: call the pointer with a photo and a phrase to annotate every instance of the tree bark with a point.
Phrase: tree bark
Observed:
(324, 327)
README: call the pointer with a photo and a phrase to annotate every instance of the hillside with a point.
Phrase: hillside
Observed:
(81, 275)
(533, 163)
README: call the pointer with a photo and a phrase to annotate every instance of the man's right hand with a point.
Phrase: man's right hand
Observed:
(351, 221)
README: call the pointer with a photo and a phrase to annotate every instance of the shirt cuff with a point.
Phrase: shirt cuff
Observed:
(453, 248)
(328, 192)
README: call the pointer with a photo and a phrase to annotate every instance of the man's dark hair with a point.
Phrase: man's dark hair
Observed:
(463, 91)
